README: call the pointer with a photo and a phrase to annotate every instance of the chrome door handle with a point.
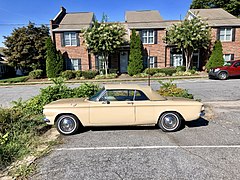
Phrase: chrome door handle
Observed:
(129, 102)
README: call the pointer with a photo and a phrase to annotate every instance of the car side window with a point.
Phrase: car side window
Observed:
(140, 96)
(118, 95)
(237, 64)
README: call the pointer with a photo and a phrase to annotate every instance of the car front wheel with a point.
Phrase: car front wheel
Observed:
(169, 122)
(67, 124)
(222, 75)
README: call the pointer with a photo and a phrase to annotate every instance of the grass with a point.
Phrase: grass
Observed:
(15, 79)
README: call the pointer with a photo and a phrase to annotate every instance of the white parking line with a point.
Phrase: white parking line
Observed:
(142, 147)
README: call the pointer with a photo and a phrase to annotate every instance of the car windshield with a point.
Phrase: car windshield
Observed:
(229, 63)
(95, 96)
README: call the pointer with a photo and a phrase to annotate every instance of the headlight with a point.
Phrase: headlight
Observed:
(216, 70)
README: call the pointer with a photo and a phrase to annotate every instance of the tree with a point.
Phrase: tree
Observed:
(135, 58)
(25, 47)
(103, 39)
(55, 61)
(231, 6)
(189, 36)
(216, 58)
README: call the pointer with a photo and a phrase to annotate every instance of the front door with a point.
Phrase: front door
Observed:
(177, 60)
(123, 61)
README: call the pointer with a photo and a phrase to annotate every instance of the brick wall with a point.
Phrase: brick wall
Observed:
(75, 52)
(158, 50)
(229, 47)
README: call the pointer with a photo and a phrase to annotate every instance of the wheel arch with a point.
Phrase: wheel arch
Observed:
(225, 71)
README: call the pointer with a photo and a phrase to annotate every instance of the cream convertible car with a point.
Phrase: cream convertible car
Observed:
(117, 105)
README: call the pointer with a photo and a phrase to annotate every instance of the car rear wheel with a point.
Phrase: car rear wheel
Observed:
(222, 75)
(169, 121)
(67, 124)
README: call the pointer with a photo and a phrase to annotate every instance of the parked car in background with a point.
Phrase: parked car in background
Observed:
(230, 69)
(119, 104)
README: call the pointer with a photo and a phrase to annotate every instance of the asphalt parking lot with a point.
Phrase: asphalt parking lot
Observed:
(208, 148)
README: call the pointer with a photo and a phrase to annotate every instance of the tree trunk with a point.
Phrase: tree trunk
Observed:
(188, 56)
(105, 56)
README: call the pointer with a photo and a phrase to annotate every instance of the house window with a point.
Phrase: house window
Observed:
(70, 39)
(152, 62)
(228, 57)
(148, 36)
(225, 34)
(73, 64)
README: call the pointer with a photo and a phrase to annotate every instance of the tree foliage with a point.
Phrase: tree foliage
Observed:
(55, 61)
(103, 39)
(231, 6)
(135, 58)
(189, 35)
(216, 58)
(25, 47)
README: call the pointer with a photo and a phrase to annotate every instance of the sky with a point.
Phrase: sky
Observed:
(16, 13)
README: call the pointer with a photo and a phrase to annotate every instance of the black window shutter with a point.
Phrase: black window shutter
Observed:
(155, 37)
(155, 62)
(232, 56)
(218, 33)
(78, 39)
(62, 39)
(233, 34)
(79, 64)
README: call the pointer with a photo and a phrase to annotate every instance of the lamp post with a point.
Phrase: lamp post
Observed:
(149, 83)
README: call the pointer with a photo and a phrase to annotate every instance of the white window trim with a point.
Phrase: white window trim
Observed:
(225, 34)
(152, 64)
(70, 38)
(147, 30)
(229, 55)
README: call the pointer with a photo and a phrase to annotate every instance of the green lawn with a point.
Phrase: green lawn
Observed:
(15, 80)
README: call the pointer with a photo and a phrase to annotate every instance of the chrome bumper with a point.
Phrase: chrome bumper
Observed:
(202, 113)
(46, 120)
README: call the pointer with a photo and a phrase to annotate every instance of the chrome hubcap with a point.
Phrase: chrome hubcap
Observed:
(67, 124)
(223, 76)
(170, 121)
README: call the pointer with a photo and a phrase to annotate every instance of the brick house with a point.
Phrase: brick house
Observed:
(225, 27)
(66, 29)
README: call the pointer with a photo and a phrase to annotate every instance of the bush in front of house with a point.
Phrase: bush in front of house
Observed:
(159, 75)
(78, 74)
(167, 71)
(36, 74)
(109, 76)
(68, 74)
(140, 75)
(169, 89)
(90, 74)
(180, 68)
(216, 58)
(135, 65)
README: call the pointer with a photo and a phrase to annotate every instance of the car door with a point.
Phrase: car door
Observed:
(236, 69)
(115, 107)
(144, 108)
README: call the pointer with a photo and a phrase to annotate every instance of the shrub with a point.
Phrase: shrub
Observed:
(140, 75)
(15, 80)
(216, 58)
(36, 74)
(182, 73)
(159, 75)
(180, 68)
(167, 71)
(135, 57)
(85, 90)
(78, 74)
(68, 74)
(109, 76)
(90, 74)
(170, 89)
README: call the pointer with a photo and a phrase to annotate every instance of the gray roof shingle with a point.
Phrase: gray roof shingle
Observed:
(216, 17)
(75, 21)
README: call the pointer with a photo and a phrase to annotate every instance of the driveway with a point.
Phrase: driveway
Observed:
(205, 149)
